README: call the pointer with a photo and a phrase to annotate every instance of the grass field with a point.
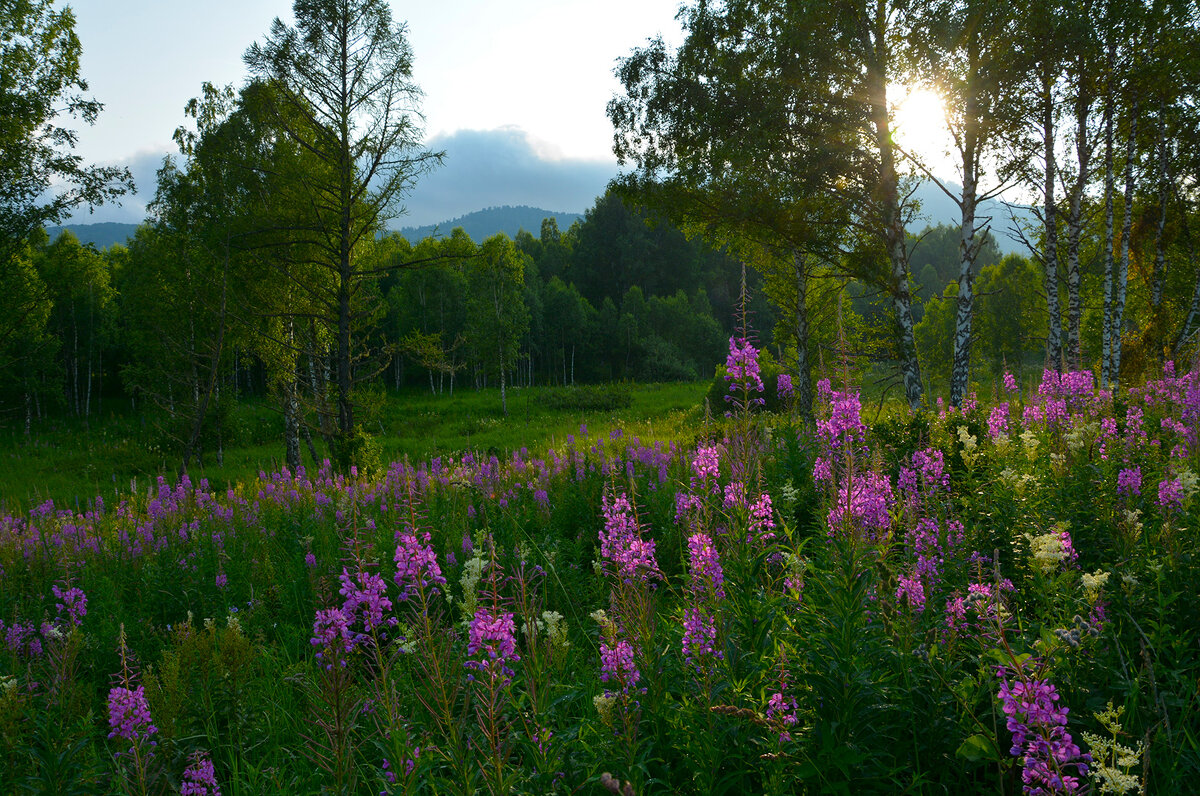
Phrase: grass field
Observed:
(71, 462)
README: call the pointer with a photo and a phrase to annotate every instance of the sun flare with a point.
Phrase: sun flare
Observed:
(919, 122)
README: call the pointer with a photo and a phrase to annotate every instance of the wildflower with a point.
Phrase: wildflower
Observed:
(416, 565)
(762, 521)
(370, 595)
(128, 714)
(742, 371)
(1039, 736)
(1010, 383)
(699, 636)
(1112, 760)
(782, 711)
(685, 504)
(472, 572)
(912, 589)
(1092, 584)
(707, 576)
(1170, 493)
(73, 601)
(998, 421)
(970, 444)
(603, 704)
(617, 666)
(331, 633)
(1129, 481)
(783, 386)
(556, 629)
(200, 777)
(867, 506)
(735, 495)
(844, 430)
(491, 639)
(621, 542)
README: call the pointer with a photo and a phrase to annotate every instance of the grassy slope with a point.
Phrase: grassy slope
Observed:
(69, 462)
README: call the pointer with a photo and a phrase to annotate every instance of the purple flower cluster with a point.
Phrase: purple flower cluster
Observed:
(706, 585)
(843, 431)
(73, 601)
(741, 370)
(618, 667)
(998, 421)
(22, 639)
(735, 495)
(1039, 737)
(416, 564)
(762, 520)
(621, 542)
(699, 636)
(1170, 494)
(782, 711)
(912, 589)
(1129, 481)
(128, 714)
(866, 509)
(331, 633)
(491, 642)
(200, 777)
(365, 594)
(685, 504)
(783, 386)
(1010, 383)
(927, 473)
(706, 463)
(707, 576)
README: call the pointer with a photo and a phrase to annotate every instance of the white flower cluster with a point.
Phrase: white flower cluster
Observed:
(788, 495)
(1018, 482)
(1111, 761)
(1093, 583)
(1031, 443)
(472, 572)
(1080, 435)
(970, 447)
(1189, 482)
(1046, 552)
(552, 626)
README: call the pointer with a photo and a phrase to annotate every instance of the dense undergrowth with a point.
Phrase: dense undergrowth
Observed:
(993, 600)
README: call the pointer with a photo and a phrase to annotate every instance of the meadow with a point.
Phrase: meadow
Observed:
(71, 460)
(1001, 599)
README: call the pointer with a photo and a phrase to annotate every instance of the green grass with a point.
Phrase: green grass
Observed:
(69, 461)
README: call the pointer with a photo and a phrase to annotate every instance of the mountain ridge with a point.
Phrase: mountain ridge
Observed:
(936, 208)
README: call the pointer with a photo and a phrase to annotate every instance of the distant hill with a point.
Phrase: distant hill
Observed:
(482, 224)
(100, 235)
(937, 208)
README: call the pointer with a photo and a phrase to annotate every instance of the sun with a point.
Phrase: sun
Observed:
(919, 125)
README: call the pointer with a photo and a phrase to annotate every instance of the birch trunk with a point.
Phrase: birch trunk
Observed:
(1109, 190)
(1050, 220)
(1122, 275)
(1160, 254)
(1083, 155)
(960, 374)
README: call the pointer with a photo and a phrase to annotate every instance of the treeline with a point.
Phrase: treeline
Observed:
(174, 322)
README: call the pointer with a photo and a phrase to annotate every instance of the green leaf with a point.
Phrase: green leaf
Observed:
(978, 748)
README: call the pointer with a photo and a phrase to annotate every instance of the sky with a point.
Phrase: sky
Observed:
(515, 90)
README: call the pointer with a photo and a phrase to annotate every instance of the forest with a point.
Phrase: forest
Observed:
(797, 492)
